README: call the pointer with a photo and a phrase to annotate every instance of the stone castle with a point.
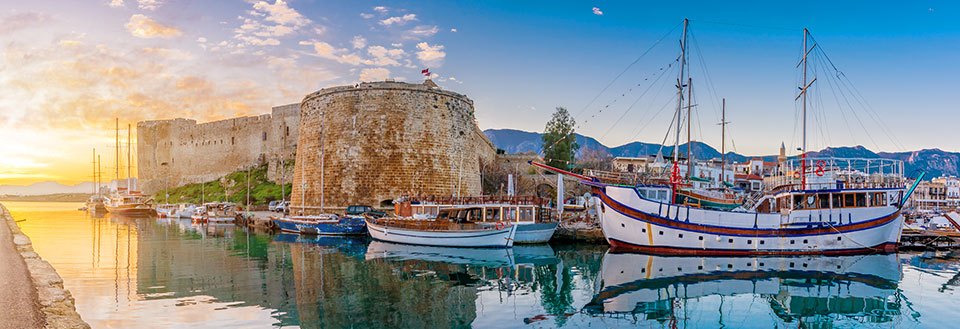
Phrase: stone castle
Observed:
(361, 144)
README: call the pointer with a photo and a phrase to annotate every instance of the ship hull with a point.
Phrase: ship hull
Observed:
(344, 226)
(132, 211)
(489, 238)
(529, 233)
(632, 223)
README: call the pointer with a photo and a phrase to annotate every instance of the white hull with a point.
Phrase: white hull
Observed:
(489, 238)
(631, 222)
(528, 233)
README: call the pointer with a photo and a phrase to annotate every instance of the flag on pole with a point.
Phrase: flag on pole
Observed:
(425, 72)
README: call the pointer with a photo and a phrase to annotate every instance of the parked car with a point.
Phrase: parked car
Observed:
(359, 210)
(283, 207)
(273, 205)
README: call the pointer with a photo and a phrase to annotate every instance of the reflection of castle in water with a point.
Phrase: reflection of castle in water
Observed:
(809, 290)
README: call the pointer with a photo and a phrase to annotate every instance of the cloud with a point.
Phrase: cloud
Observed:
(366, 15)
(22, 21)
(328, 51)
(385, 57)
(374, 74)
(421, 32)
(453, 30)
(267, 22)
(116, 3)
(430, 55)
(147, 4)
(201, 40)
(358, 42)
(597, 11)
(142, 26)
(399, 20)
(380, 9)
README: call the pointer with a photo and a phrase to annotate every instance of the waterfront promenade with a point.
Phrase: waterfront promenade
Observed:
(19, 306)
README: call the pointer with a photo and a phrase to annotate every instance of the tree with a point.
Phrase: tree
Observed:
(595, 158)
(559, 141)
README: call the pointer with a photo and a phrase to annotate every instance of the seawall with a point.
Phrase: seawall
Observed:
(55, 302)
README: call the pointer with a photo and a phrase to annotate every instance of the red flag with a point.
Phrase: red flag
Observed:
(425, 72)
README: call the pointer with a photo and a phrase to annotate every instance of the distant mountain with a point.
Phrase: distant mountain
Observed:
(43, 188)
(934, 162)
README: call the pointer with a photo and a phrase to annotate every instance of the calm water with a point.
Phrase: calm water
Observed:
(147, 273)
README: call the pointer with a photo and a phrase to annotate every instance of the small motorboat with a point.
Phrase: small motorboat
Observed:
(324, 224)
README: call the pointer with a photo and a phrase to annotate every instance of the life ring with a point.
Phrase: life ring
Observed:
(499, 226)
(820, 167)
(796, 174)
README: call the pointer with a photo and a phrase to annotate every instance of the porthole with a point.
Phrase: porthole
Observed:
(761, 241)
(700, 267)
(680, 236)
(661, 232)
(761, 264)
(621, 225)
(729, 265)
(804, 240)
(643, 230)
(839, 237)
(793, 242)
(749, 241)
(791, 264)
(701, 238)
(730, 240)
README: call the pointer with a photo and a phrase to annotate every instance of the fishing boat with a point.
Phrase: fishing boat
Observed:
(806, 287)
(167, 210)
(826, 205)
(216, 213)
(453, 227)
(326, 224)
(535, 222)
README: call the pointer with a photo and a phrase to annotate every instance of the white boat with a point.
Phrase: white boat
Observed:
(166, 210)
(185, 211)
(811, 205)
(451, 228)
(536, 222)
(215, 213)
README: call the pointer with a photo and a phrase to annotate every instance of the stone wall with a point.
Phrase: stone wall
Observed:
(180, 151)
(385, 139)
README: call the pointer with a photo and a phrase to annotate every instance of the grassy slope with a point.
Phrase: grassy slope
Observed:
(232, 187)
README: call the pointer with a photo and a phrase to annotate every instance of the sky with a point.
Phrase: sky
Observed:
(885, 71)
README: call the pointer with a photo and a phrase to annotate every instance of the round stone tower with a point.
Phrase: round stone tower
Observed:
(381, 140)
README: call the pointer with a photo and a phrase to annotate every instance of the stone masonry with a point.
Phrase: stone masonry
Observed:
(383, 140)
(180, 151)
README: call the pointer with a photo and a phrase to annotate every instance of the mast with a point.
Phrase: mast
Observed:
(689, 120)
(116, 150)
(94, 170)
(99, 178)
(683, 64)
(129, 174)
(723, 140)
(803, 94)
(323, 120)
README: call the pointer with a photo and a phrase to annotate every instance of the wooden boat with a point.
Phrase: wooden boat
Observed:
(535, 221)
(708, 199)
(453, 227)
(327, 224)
(130, 203)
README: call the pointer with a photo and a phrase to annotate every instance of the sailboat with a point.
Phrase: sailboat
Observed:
(719, 197)
(96, 204)
(824, 207)
(322, 224)
(127, 200)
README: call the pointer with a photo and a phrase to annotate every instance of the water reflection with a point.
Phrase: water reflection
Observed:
(163, 272)
(812, 291)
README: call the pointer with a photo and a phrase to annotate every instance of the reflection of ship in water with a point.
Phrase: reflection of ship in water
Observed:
(350, 245)
(460, 256)
(809, 290)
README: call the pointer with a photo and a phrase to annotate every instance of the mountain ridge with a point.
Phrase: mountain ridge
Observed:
(934, 161)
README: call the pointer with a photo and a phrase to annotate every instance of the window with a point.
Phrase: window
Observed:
(798, 202)
(824, 200)
(492, 214)
(861, 199)
(661, 232)
(837, 200)
(701, 238)
(233, 140)
(510, 214)
(848, 200)
(264, 135)
(730, 240)
(680, 236)
(526, 215)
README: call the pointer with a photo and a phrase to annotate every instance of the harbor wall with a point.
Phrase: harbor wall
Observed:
(180, 151)
(383, 140)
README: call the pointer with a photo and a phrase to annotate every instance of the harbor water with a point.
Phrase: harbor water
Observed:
(170, 273)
